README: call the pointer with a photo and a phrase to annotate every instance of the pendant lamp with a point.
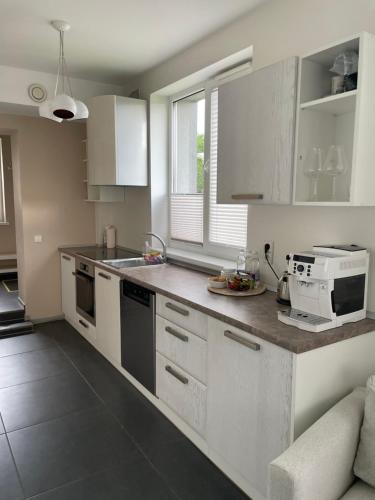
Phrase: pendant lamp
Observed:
(63, 106)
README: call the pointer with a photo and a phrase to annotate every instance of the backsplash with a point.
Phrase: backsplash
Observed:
(299, 228)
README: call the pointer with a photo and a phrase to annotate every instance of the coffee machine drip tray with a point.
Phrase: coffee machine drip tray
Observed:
(305, 321)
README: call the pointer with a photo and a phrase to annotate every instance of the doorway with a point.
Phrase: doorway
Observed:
(12, 310)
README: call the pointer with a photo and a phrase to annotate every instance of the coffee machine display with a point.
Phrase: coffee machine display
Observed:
(327, 286)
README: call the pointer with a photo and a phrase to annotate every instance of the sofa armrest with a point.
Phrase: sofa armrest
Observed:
(319, 464)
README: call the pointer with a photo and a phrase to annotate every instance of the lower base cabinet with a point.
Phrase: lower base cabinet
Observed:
(240, 399)
(248, 401)
(85, 328)
(181, 392)
(108, 314)
(68, 287)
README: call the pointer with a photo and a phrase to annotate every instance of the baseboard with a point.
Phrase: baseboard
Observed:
(38, 321)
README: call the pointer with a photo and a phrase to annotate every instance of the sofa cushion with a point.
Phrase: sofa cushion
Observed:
(360, 491)
(364, 464)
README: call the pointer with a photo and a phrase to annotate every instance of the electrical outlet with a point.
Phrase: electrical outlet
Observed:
(270, 251)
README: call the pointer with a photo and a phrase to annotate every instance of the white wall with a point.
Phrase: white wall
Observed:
(14, 83)
(276, 30)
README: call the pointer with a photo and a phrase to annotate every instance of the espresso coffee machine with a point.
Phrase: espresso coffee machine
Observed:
(327, 286)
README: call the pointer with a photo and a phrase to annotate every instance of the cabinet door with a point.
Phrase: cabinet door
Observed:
(248, 401)
(181, 392)
(68, 287)
(108, 315)
(256, 135)
(101, 141)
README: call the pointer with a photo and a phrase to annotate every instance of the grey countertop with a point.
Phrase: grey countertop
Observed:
(256, 315)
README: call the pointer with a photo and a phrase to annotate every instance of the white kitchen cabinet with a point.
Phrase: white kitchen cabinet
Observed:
(108, 314)
(182, 315)
(256, 128)
(117, 141)
(249, 401)
(185, 349)
(85, 328)
(68, 287)
(335, 146)
(181, 392)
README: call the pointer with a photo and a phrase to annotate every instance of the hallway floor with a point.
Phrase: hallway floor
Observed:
(72, 427)
(8, 301)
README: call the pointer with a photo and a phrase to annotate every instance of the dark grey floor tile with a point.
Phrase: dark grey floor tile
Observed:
(2, 429)
(24, 343)
(53, 453)
(144, 422)
(30, 366)
(191, 475)
(10, 488)
(68, 339)
(135, 481)
(35, 402)
(107, 382)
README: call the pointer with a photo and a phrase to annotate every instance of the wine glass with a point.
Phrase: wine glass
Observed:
(335, 164)
(313, 168)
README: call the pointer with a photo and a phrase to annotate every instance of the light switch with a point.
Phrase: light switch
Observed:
(38, 238)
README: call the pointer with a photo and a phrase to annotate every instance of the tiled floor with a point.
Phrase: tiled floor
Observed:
(72, 427)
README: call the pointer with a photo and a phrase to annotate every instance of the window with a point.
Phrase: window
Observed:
(197, 221)
(186, 201)
(2, 187)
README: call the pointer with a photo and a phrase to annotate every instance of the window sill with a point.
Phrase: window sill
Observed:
(206, 262)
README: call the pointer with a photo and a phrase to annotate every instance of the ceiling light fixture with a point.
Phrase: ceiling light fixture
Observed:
(63, 106)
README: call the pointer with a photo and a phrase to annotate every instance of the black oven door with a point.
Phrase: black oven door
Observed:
(85, 289)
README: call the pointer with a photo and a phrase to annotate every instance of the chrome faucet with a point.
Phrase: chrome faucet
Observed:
(163, 243)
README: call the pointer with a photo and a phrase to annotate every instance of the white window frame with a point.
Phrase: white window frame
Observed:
(207, 247)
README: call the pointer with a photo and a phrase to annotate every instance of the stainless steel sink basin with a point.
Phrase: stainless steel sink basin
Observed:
(121, 263)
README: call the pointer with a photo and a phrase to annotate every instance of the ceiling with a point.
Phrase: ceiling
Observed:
(110, 40)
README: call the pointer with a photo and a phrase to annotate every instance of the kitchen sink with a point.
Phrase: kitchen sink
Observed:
(121, 263)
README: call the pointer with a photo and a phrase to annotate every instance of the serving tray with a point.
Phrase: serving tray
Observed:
(234, 293)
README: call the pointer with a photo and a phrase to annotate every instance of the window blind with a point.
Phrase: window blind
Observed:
(186, 212)
(227, 223)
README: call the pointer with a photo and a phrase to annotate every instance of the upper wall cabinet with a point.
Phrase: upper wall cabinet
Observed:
(256, 136)
(117, 141)
(335, 149)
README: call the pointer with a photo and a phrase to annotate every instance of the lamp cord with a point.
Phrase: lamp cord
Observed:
(269, 263)
(62, 69)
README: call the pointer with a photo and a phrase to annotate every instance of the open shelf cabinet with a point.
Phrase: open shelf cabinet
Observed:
(335, 149)
(104, 194)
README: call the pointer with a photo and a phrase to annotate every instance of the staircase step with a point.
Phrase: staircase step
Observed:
(13, 329)
(12, 316)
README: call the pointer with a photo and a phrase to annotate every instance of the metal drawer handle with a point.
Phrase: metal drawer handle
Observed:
(177, 334)
(177, 309)
(248, 196)
(83, 323)
(247, 343)
(105, 276)
(66, 258)
(176, 375)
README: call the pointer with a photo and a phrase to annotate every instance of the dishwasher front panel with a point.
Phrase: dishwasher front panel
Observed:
(138, 349)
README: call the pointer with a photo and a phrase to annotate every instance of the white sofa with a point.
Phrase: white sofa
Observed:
(319, 464)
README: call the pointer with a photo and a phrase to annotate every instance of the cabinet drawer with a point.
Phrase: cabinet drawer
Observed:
(85, 328)
(181, 392)
(185, 349)
(182, 315)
